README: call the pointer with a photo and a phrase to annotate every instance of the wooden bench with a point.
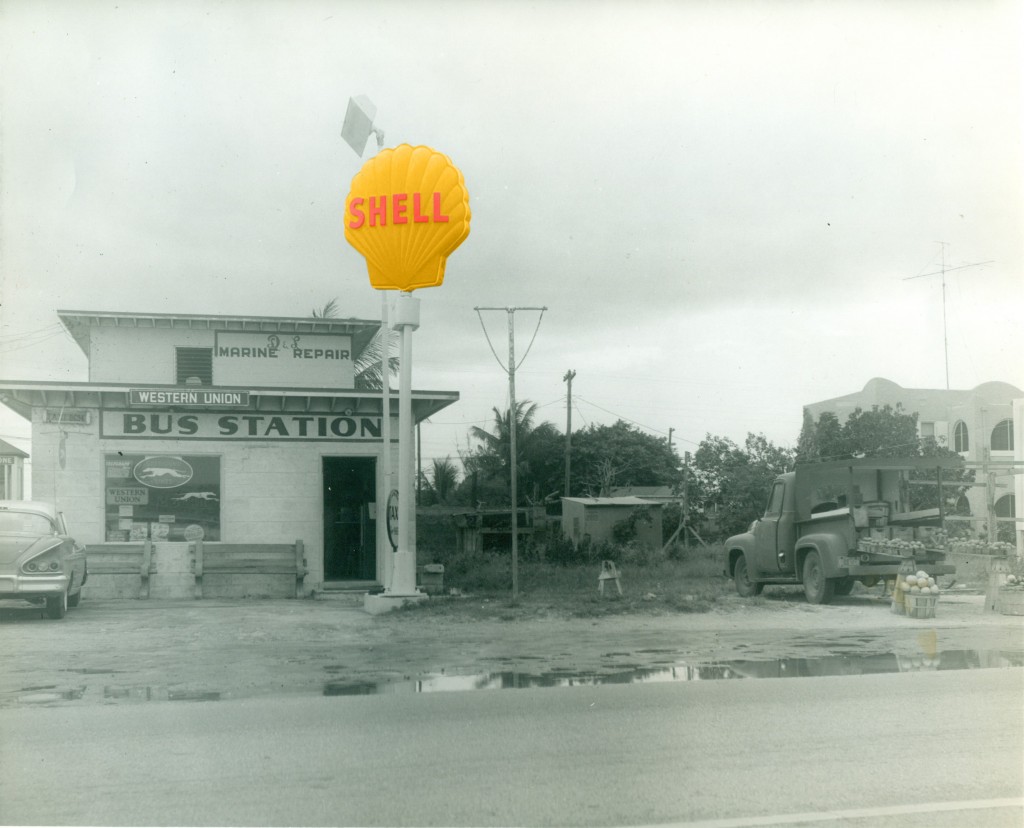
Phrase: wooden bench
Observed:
(252, 559)
(122, 559)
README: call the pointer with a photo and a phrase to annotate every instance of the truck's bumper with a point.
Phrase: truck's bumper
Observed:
(854, 568)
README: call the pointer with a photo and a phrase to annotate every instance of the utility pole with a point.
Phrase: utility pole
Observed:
(943, 272)
(686, 496)
(568, 378)
(513, 425)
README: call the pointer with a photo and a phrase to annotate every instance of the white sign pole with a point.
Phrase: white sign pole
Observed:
(403, 576)
(385, 430)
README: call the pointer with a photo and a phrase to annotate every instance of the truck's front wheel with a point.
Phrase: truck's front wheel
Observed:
(817, 587)
(741, 575)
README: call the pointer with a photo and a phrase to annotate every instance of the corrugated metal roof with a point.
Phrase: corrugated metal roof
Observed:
(611, 501)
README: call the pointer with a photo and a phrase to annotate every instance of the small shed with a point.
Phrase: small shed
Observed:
(596, 517)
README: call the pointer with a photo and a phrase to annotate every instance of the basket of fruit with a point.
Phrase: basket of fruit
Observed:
(918, 594)
(1011, 596)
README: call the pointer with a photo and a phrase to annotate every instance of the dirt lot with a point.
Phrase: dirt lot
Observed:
(114, 652)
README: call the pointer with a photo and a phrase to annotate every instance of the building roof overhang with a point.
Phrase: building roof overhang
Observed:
(22, 396)
(80, 324)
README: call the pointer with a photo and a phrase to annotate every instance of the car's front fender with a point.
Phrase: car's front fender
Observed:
(742, 544)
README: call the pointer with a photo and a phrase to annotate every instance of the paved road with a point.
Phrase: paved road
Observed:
(906, 749)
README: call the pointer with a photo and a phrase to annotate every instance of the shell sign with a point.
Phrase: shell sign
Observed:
(407, 211)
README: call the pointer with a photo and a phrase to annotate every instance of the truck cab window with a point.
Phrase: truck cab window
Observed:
(775, 500)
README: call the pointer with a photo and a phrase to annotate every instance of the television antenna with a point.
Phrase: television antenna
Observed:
(943, 271)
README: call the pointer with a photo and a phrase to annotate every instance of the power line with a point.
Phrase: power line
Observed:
(29, 344)
(27, 334)
(634, 422)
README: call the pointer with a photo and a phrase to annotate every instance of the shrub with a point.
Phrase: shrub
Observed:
(625, 530)
(477, 571)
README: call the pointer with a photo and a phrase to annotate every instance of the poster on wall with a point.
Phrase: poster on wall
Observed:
(156, 497)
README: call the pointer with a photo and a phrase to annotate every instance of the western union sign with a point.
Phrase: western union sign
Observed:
(189, 396)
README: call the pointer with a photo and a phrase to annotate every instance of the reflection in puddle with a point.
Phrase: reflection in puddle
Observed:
(838, 665)
(146, 693)
(193, 695)
(48, 696)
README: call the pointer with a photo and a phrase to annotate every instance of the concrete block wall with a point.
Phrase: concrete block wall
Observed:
(270, 492)
(173, 577)
(77, 489)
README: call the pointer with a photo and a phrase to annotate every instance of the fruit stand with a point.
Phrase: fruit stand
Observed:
(1004, 592)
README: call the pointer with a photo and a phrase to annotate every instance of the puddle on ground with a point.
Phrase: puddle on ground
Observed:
(50, 696)
(834, 665)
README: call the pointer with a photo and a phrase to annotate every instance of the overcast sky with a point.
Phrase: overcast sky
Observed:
(720, 204)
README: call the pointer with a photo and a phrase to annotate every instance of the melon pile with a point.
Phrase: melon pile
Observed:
(919, 584)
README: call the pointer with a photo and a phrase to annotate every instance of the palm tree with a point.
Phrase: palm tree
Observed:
(499, 443)
(534, 455)
(445, 478)
(367, 363)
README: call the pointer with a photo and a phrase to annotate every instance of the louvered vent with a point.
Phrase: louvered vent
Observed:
(193, 364)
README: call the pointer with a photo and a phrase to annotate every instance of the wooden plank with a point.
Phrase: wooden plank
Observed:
(256, 548)
(251, 568)
(114, 560)
(122, 567)
(255, 559)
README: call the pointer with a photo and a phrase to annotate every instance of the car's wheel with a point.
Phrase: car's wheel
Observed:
(843, 586)
(74, 599)
(817, 587)
(57, 605)
(741, 575)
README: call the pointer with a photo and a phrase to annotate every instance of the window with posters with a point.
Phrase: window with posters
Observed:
(162, 497)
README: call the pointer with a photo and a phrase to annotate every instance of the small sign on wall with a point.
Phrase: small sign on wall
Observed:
(127, 496)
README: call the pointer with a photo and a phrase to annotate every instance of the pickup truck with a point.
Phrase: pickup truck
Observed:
(830, 524)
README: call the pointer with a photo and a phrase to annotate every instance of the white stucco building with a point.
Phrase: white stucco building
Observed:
(232, 429)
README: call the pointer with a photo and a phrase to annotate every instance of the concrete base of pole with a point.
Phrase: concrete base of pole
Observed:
(379, 603)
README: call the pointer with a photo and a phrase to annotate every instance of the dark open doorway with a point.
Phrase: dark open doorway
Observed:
(349, 532)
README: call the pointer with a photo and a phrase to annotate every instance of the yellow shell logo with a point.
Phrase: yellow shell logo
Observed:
(407, 211)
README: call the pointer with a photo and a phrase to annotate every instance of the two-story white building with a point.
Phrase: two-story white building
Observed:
(981, 424)
(228, 429)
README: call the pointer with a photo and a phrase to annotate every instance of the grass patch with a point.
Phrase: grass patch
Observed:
(682, 580)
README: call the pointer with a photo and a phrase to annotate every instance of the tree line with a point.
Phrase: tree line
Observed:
(725, 483)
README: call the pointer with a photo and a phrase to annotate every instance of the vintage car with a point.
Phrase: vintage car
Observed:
(39, 561)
